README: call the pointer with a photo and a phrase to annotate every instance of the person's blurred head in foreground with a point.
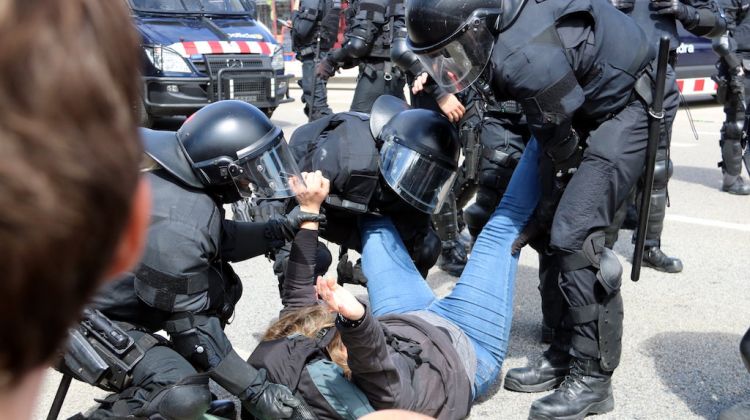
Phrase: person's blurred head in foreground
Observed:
(73, 209)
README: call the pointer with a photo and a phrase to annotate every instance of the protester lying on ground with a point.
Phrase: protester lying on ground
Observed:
(406, 349)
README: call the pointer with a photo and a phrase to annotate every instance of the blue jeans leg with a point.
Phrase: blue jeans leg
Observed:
(393, 283)
(481, 303)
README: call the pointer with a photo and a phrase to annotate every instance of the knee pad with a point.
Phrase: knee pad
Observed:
(426, 251)
(186, 400)
(732, 129)
(595, 254)
(745, 349)
(662, 172)
(199, 338)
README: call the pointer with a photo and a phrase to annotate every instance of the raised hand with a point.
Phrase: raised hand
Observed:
(339, 299)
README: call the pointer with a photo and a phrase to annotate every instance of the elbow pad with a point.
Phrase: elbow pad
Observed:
(709, 23)
(405, 58)
(357, 47)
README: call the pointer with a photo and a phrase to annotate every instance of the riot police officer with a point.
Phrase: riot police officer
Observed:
(398, 162)
(315, 28)
(184, 283)
(734, 87)
(370, 29)
(659, 18)
(581, 83)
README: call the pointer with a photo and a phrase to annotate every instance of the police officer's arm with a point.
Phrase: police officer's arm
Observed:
(360, 36)
(700, 17)
(384, 379)
(244, 240)
(303, 19)
(741, 30)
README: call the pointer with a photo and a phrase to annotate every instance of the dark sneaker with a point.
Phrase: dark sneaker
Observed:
(655, 258)
(586, 390)
(543, 375)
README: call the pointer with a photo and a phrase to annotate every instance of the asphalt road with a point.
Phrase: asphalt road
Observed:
(680, 355)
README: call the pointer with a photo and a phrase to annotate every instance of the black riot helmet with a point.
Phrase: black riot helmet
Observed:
(419, 152)
(234, 151)
(454, 38)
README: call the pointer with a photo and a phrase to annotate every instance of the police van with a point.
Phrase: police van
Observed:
(202, 51)
(696, 63)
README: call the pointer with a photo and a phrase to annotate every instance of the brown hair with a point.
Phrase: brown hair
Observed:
(308, 321)
(69, 155)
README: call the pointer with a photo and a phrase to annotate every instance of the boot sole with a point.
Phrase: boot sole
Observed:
(513, 385)
(600, 407)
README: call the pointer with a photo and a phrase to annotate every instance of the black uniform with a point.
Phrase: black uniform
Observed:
(370, 29)
(185, 286)
(314, 31)
(574, 68)
(342, 147)
(702, 18)
(734, 91)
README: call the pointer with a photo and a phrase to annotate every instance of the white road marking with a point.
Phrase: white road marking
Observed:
(742, 227)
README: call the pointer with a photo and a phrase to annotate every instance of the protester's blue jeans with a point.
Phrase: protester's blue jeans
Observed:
(481, 303)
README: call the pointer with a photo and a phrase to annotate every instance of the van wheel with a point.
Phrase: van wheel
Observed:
(145, 119)
(268, 111)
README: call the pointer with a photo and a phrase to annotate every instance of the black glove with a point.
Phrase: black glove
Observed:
(274, 401)
(533, 230)
(350, 273)
(672, 7)
(285, 227)
(624, 5)
(326, 68)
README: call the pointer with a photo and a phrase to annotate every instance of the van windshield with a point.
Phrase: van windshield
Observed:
(195, 6)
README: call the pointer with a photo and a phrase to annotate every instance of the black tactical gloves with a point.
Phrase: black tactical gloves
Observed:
(326, 68)
(673, 7)
(270, 401)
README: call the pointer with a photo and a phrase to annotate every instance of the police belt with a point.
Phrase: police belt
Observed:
(308, 50)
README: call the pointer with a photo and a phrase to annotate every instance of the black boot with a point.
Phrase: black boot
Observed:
(734, 184)
(586, 390)
(453, 258)
(544, 374)
(655, 258)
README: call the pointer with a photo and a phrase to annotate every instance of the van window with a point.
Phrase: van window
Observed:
(194, 6)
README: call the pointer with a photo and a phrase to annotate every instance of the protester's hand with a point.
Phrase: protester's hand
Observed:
(671, 7)
(325, 69)
(624, 5)
(451, 107)
(311, 192)
(339, 299)
(274, 401)
(419, 83)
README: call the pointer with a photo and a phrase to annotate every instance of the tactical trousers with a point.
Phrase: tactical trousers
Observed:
(372, 83)
(320, 108)
(612, 164)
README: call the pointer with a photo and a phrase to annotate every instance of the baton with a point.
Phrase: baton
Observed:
(62, 391)
(316, 61)
(655, 117)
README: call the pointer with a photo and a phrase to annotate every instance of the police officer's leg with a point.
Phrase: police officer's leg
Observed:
(653, 256)
(740, 411)
(202, 341)
(746, 125)
(730, 143)
(453, 256)
(320, 108)
(164, 384)
(369, 87)
(591, 273)
(305, 83)
(503, 143)
(395, 83)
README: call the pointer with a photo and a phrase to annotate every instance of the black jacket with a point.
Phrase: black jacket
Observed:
(382, 351)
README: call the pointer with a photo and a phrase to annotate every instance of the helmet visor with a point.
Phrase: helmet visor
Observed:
(266, 175)
(420, 181)
(459, 63)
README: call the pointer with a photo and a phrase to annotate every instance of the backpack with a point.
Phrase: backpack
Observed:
(302, 364)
